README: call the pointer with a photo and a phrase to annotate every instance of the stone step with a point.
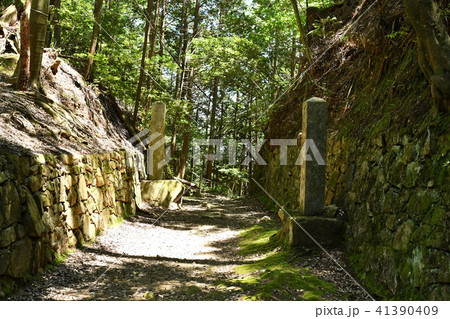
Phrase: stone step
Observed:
(328, 232)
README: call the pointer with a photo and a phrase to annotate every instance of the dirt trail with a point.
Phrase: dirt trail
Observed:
(184, 256)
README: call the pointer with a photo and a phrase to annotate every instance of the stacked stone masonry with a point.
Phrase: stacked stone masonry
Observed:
(51, 203)
(395, 189)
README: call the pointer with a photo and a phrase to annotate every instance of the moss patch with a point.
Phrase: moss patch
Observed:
(273, 276)
(61, 258)
(8, 64)
(256, 239)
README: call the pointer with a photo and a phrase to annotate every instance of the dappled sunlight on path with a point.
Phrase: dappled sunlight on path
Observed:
(213, 249)
(181, 257)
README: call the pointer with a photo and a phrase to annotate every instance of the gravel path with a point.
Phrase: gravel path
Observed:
(181, 257)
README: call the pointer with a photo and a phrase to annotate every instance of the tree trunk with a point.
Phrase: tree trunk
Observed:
(179, 82)
(184, 39)
(23, 76)
(223, 111)
(154, 32)
(293, 57)
(94, 39)
(235, 117)
(54, 33)
(212, 128)
(53, 20)
(195, 32)
(49, 32)
(302, 31)
(250, 137)
(57, 25)
(143, 64)
(150, 55)
(187, 128)
(433, 44)
(182, 45)
(38, 31)
(275, 59)
(173, 139)
(184, 153)
(162, 33)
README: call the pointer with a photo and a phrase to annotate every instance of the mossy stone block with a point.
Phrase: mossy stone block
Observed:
(21, 255)
(403, 235)
(160, 193)
(32, 217)
(7, 237)
(10, 204)
(328, 232)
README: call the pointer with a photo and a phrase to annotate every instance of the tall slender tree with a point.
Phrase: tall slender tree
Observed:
(302, 30)
(23, 68)
(180, 91)
(34, 32)
(187, 128)
(162, 34)
(212, 128)
(54, 33)
(94, 39)
(148, 25)
(151, 54)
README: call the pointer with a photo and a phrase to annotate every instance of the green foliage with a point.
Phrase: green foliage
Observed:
(226, 58)
(118, 50)
(397, 34)
(446, 11)
(76, 25)
(248, 48)
(322, 4)
(234, 175)
(325, 27)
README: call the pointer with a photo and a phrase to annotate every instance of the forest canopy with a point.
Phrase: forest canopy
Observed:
(219, 65)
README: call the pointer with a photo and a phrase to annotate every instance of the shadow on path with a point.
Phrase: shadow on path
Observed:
(184, 256)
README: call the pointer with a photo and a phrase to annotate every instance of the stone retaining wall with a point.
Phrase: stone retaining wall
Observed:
(50, 203)
(394, 187)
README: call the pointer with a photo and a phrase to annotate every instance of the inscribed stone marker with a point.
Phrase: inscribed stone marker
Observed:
(312, 172)
(157, 154)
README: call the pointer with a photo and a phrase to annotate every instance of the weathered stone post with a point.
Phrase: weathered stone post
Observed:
(313, 157)
(156, 151)
(310, 227)
(158, 191)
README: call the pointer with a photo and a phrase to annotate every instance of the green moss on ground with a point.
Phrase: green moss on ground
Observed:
(273, 276)
(256, 240)
(61, 258)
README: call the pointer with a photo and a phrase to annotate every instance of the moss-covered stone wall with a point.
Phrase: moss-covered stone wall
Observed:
(394, 186)
(51, 203)
(281, 181)
(388, 158)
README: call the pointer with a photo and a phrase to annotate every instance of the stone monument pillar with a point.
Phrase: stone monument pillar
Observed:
(313, 157)
(156, 152)
(310, 228)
